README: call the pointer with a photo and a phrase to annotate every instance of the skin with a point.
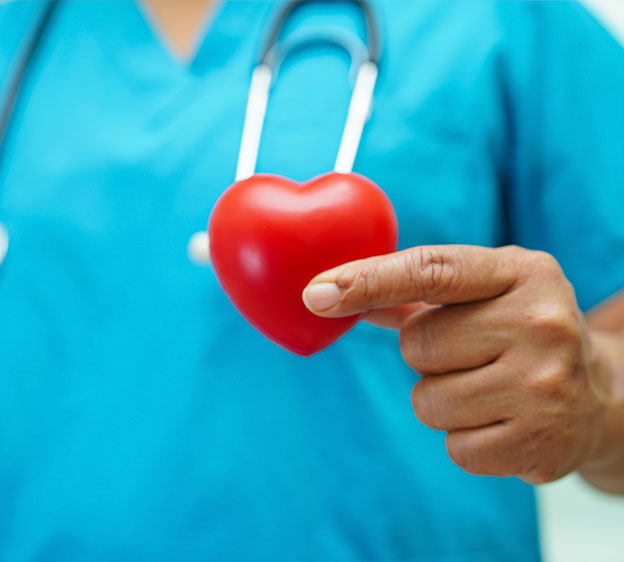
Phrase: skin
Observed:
(180, 22)
(521, 382)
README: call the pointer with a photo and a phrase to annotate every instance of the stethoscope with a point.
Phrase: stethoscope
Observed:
(364, 67)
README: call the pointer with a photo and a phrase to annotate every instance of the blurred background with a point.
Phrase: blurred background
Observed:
(578, 523)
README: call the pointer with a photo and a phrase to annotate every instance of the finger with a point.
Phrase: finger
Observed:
(506, 449)
(487, 451)
(393, 318)
(454, 338)
(433, 274)
(464, 400)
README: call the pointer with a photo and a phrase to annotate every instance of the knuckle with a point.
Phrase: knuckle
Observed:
(483, 456)
(430, 270)
(514, 252)
(412, 344)
(365, 282)
(424, 404)
(368, 281)
(462, 455)
(552, 386)
(553, 382)
(542, 473)
(545, 447)
(417, 343)
(555, 324)
(543, 262)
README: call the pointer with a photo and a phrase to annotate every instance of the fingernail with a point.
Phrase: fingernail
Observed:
(321, 296)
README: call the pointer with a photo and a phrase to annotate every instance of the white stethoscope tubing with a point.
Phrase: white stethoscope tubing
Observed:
(262, 79)
(359, 113)
(363, 60)
(4, 242)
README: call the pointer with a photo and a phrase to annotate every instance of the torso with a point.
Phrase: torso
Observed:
(133, 425)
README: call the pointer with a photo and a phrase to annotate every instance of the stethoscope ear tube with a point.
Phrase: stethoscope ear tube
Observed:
(358, 115)
(13, 91)
(4, 242)
(372, 31)
(263, 76)
(15, 85)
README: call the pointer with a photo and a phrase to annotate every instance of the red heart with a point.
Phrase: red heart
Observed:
(269, 236)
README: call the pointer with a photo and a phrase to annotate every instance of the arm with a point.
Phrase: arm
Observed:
(606, 325)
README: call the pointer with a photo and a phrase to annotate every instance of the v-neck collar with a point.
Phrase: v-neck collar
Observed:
(224, 27)
(163, 43)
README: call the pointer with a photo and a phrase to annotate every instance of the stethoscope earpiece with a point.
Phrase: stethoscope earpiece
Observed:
(4, 242)
(364, 59)
(198, 248)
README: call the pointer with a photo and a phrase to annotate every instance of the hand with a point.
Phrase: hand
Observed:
(508, 369)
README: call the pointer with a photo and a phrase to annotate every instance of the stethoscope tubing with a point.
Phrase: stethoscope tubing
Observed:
(42, 24)
(13, 90)
(372, 30)
(19, 75)
(263, 76)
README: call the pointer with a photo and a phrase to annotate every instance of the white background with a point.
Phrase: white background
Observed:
(611, 13)
(578, 523)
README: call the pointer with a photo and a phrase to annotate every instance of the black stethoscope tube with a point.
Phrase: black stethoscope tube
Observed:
(360, 101)
(372, 32)
(19, 75)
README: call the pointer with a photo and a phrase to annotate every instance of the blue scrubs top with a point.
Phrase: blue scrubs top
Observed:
(141, 418)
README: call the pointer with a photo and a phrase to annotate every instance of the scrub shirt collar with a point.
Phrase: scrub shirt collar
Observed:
(231, 24)
(228, 25)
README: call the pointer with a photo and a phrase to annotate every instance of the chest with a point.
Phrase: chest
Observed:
(126, 143)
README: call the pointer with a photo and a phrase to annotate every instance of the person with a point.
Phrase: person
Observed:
(141, 418)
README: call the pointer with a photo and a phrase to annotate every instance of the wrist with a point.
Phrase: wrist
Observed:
(604, 461)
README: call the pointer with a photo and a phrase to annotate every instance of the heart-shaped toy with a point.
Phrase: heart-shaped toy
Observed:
(269, 236)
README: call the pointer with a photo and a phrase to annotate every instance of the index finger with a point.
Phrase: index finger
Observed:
(432, 274)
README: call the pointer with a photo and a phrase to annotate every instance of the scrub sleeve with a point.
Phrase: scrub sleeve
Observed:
(566, 112)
